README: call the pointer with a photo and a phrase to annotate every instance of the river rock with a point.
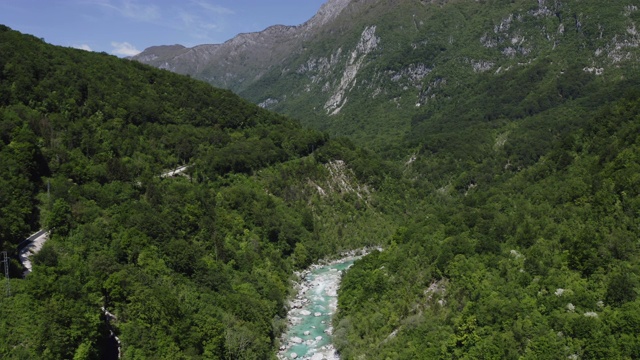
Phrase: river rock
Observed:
(310, 289)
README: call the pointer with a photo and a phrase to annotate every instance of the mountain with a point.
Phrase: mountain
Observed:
(147, 265)
(243, 59)
(490, 148)
(514, 125)
(370, 66)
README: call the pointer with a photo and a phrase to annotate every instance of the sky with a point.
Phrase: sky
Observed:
(126, 27)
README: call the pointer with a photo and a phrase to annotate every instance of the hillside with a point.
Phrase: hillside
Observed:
(491, 149)
(194, 266)
(531, 260)
(376, 65)
(515, 126)
(240, 61)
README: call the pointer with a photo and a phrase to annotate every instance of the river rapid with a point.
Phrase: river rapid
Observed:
(308, 335)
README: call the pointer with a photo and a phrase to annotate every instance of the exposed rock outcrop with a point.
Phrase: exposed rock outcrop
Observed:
(244, 58)
(368, 42)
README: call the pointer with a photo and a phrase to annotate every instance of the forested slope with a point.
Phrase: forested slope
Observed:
(504, 188)
(522, 193)
(192, 267)
(522, 240)
(381, 68)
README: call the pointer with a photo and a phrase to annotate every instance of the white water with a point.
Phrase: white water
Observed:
(309, 333)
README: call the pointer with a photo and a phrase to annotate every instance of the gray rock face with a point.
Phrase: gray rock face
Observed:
(243, 59)
(396, 57)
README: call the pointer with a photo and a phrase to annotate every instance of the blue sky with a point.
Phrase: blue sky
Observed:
(125, 27)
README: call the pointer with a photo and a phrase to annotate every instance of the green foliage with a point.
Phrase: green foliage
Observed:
(421, 83)
(59, 219)
(527, 264)
(193, 267)
(507, 201)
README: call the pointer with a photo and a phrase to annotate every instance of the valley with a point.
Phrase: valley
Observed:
(490, 147)
(309, 333)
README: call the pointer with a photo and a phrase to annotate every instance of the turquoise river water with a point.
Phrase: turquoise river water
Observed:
(309, 332)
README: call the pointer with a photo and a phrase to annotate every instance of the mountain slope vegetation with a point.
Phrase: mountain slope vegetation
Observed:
(384, 71)
(195, 266)
(516, 123)
(491, 150)
(377, 69)
(542, 262)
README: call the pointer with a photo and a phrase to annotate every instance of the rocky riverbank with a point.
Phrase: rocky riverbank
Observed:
(309, 318)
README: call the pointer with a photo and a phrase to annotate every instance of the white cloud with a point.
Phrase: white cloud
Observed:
(82, 47)
(194, 23)
(209, 26)
(142, 12)
(200, 19)
(187, 19)
(214, 8)
(134, 9)
(124, 49)
(194, 19)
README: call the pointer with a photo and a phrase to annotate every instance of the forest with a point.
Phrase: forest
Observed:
(508, 219)
(535, 263)
(192, 267)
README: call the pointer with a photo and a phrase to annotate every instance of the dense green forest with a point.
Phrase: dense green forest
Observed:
(196, 266)
(507, 204)
(539, 262)
(522, 198)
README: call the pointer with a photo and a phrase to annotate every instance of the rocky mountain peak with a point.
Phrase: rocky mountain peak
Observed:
(406, 57)
(328, 11)
(244, 58)
(156, 52)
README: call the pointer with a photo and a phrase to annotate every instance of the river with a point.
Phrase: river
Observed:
(309, 333)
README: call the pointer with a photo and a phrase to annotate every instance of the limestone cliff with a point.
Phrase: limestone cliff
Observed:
(367, 67)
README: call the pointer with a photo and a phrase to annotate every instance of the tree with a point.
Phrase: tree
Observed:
(59, 219)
